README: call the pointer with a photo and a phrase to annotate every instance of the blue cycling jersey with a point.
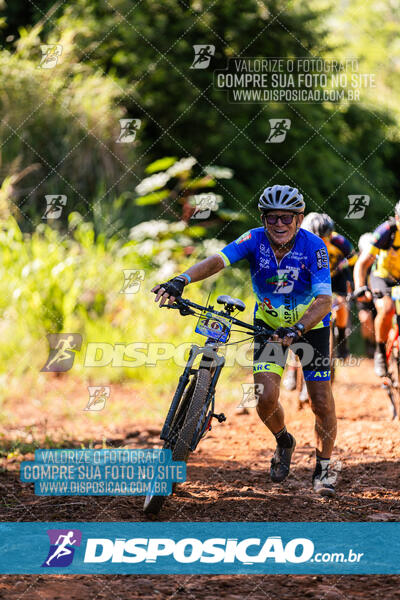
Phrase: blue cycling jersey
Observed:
(284, 291)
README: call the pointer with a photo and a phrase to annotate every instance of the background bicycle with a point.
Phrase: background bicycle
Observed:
(391, 381)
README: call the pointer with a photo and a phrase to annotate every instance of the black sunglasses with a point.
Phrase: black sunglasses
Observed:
(286, 219)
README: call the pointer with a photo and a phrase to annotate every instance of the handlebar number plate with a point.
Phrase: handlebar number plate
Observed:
(216, 328)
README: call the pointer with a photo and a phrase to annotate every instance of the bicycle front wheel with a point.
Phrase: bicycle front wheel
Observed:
(194, 416)
(189, 419)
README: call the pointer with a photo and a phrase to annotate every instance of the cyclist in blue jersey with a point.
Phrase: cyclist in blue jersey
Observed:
(291, 280)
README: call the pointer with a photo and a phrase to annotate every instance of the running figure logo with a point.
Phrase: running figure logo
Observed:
(132, 281)
(50, 55)
(62, 547)
(55, 205)
(204, 204)
(357, 206)
(203, 53)
(251, 394)
(284, 280)
(98, 396)
(129, 128)
(279, 129)
(62, 351)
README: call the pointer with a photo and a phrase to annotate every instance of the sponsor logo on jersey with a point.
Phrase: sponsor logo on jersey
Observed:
(264, 262)
(297, 255)
(284, 280)
(244, 237)
(322, 258)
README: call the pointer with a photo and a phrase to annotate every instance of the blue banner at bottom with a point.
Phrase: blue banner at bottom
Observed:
(200, 548)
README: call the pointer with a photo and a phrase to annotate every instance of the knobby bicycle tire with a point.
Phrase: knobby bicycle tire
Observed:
(181, 447)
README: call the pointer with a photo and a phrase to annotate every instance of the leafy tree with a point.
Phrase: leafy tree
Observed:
(144, 52)
(331, 150)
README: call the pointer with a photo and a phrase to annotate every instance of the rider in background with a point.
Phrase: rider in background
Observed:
(342, 256)
(366, 310)
(385, 274)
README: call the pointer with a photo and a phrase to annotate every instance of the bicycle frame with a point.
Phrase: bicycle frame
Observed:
(210, 360)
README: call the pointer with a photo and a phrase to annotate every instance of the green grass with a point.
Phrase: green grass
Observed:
(53, 285)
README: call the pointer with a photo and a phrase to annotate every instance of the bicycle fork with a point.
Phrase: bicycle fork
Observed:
(210, 360)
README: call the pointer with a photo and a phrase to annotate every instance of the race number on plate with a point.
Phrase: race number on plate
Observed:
(216, 328)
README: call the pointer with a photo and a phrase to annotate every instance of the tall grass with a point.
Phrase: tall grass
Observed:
(51, 283)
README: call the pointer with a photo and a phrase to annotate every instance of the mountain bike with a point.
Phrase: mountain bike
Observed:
(391, 381)
(192, 408)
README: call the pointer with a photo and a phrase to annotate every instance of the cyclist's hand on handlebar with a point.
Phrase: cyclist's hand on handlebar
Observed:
(367, 297)
(363, 294)
(171, 290)
(285, 335)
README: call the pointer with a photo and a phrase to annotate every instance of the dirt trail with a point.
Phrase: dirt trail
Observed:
(228, 481)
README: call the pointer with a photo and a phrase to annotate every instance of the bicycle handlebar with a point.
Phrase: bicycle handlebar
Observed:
(357, 293)
(361, 291)
(186, 307)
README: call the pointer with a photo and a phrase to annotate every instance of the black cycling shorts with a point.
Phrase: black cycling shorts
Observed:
(312, 349)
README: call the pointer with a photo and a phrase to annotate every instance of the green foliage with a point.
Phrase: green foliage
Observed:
(162, 164)
(369, 31)
(153, 198)
(124, 60)
(173, 185)
(51, 283)
(59, 135)
(62, 120)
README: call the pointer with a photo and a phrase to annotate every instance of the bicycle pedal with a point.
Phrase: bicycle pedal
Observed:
(220, 418)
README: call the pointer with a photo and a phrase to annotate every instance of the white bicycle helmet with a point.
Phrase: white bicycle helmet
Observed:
(281, 197)
(318, 223)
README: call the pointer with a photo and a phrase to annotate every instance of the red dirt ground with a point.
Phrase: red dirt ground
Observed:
(228, 481)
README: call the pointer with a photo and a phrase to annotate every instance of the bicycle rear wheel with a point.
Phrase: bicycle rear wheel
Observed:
(188, 419)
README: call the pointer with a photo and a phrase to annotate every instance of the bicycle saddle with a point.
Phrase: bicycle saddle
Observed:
(232, 302)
